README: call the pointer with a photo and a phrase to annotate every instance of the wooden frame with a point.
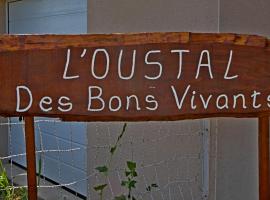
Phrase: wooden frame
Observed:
(136, 77)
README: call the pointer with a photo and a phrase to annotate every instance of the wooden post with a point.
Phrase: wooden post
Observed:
(31, 158)
(264, 175)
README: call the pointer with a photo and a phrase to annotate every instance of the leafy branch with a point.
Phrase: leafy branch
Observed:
(104, 169)
(130, 181)
(7, 191)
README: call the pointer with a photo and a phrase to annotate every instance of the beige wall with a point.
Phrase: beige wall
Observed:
(3, 138)
(166, 153)
(237, 139)
(234, 150)
(234, 159)
(245, 16)
(2, 17)
(110, 16)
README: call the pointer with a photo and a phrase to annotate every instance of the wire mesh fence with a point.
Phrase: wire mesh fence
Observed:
(98, 160)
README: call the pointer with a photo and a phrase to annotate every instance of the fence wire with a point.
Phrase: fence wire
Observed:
(169, 159)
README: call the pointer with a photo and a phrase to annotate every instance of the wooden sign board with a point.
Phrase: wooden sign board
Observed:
(134, 77)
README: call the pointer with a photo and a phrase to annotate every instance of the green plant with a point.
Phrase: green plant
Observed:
(130, 182)
(7, 191)
(104, 169)
(130, 174)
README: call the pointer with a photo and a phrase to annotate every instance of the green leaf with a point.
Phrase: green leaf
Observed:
(132, 184)
(100, 187)
(127, 173)
(102, 169)
(112, 150)
(134, 173)
(131, 165)
(122, 197)
(124, 183)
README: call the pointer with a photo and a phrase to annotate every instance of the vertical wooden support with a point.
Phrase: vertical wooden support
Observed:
(31, 158)
(264, 175)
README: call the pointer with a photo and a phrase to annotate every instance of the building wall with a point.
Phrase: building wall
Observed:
(245, 16)
(237, 139)
(3, 129)
(234, 150)
(152, 15)
(155, 16)
(2, 17)
(4, 138)
(234, 159)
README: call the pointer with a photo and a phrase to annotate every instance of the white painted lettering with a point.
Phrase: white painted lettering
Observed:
(132, 68)
(136, 100)
(18, 89)
(219, 102)
(153, 63)
(228, 68)
(151, 100)
(119, 103)
(47, 101)
(94, 60)
(268, 101)
(208, 64)
(254, 97)
(97, 97)
(83, 53)
(193, 106)
(180, 53)
(64, 102)
(65, 76)
(205, 103)
(179, 103)
(235, 97)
